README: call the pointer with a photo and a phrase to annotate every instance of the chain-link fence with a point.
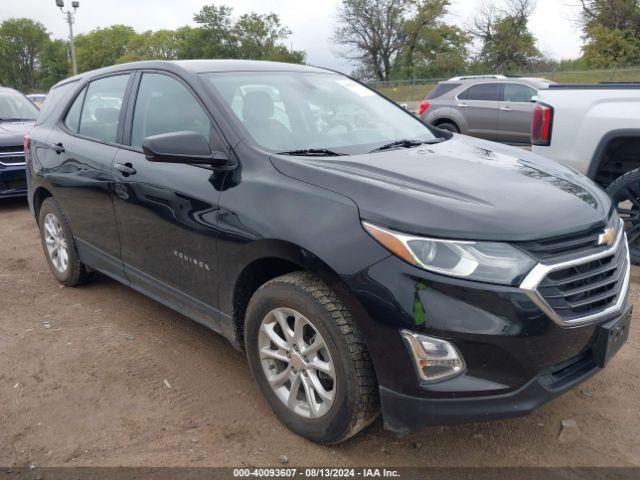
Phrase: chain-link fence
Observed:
(416, 88)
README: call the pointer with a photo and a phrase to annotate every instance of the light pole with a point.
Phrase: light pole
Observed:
(70, 19)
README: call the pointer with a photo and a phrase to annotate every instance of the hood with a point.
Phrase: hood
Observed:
(463, 188)
(12, 133)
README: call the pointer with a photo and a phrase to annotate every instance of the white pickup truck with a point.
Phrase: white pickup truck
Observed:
(596, 130)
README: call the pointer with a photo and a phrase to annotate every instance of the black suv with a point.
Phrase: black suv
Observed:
(364, 261)
(17, 114)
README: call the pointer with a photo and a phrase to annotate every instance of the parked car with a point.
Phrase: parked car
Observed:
(37, 98)
(364, 261)
(595, 129)
(493, 107)
(17, 115)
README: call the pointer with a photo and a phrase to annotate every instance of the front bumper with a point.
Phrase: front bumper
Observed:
(13, 181)
(517, 357)
(403, 413)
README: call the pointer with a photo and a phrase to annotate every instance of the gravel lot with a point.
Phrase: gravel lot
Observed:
(103, 376)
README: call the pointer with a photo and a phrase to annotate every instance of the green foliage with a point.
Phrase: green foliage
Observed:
(252, 36)
(54, 64)
(216, 38)
(22, 41)
(102, 47)
(606, 48)
(507, 43)
(149, 45)
(611, 32)
(372, 32)
(432, 47)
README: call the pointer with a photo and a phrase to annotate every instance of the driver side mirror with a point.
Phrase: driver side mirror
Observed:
(186, 147)
(534, 98)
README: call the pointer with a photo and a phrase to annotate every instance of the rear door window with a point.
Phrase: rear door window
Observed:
(484, 91)
(72, 120)
(100, 114)
(55, 100)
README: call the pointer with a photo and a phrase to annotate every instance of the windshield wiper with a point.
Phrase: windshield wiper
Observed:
(313, 152)
(407, 143)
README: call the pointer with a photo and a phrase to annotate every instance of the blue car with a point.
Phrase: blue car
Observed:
(17, 116)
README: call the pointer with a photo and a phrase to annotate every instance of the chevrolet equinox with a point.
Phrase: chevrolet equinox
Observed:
(365, 262)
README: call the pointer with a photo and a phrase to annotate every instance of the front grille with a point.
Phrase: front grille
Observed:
(11, 148)
(12, 160)
(11, 155)
(575, 244)
(588, 288)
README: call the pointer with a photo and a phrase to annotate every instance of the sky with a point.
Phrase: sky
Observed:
(311, 21)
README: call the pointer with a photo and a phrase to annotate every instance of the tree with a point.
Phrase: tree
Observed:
(216, 25)
(150, 45)
(507, 43)
(611, 31)
(54, 64)
(607, 48)
(102, 47)
(21, 42)
(372, 32)
(259, 37)
(252, 36)
(611, 14)
(432, 47)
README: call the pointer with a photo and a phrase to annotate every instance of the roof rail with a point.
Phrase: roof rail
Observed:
(478, 77)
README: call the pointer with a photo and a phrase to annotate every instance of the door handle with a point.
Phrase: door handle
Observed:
(125, 169)
(505, 109)
(57, 147)
(463, 105)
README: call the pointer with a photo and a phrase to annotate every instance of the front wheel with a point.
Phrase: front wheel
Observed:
(625, 194)
(307, 357)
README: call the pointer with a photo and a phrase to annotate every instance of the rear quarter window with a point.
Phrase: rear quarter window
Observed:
(55, 100)
(441, 89)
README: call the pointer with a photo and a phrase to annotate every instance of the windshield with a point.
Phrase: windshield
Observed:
(15, 106)
(287, 111)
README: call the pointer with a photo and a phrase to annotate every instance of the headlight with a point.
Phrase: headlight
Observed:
(491, 262)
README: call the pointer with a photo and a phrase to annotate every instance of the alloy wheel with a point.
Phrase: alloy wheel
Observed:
(297, 363)
(56, 243)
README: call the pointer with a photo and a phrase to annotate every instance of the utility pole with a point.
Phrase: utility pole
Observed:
(70, 19)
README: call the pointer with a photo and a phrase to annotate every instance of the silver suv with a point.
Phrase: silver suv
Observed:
(493, 107)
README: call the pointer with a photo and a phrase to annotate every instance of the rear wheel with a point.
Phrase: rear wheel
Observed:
(308, 359)
(625, 194)
(59, 246)
(449, 126)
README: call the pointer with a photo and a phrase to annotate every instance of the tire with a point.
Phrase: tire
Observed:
(449, 126)
(56, 233)
(297, 298)
(625, 194)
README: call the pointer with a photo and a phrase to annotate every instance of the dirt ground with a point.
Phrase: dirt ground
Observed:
(103, 376)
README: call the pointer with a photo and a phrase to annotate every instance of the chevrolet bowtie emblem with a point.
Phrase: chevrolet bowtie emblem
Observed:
(608, 237)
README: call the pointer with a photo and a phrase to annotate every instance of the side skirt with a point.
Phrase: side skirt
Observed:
(171, 297)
